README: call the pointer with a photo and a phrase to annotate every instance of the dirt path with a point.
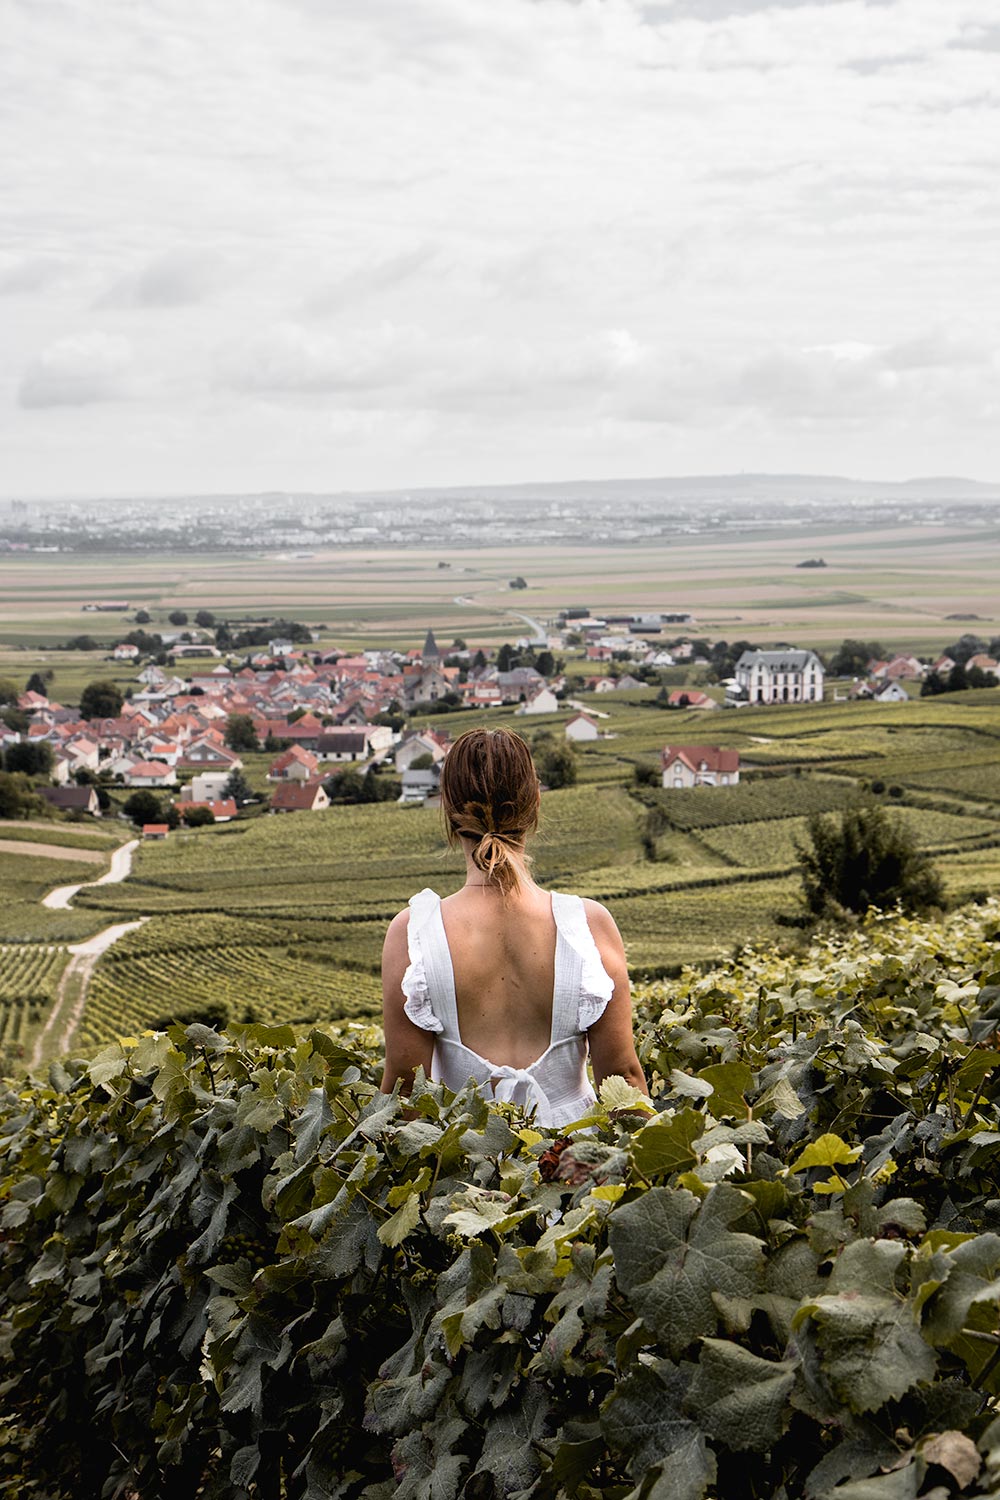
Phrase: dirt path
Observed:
(56, 1035)
(121, 864)
(51, 851)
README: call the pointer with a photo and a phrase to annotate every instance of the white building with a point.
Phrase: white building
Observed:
(780, 677)
(544, 701)
(581, 727)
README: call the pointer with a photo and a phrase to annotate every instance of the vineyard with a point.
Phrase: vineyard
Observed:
(29, 979)
(777, 1278)
(235, 970)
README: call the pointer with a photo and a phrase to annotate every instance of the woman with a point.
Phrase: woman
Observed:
(504, 982)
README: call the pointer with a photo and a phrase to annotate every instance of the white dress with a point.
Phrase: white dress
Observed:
(556, 1083)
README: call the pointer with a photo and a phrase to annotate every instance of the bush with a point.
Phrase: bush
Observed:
(143, 806)
(232, 1267)
(101, 700)
(864, 857)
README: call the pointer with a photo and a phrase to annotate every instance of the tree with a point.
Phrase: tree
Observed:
(932, 685)
(18, 798)
(204, 618)
(101, 700)
(865, 856)
(505, 657)
(852, 657)
(957, 679)
(9, 692)
(177, 617)
(36, 684)
(518, 583)
(33, 757)
(143, 807)
(240, 733)
(479, 660)
(142, 617)
(197, 817)
(237, 787)
(555, 761)
(546, 664)
(350, 786)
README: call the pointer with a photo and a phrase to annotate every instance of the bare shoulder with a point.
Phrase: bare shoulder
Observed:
(395, 936)
(599, 919)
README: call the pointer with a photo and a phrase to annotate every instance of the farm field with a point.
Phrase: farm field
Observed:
(744, 585)
(283, 918)
(287, 916)
(29, 978)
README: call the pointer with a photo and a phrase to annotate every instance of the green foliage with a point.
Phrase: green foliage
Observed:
(852, 657)
(232, 1267)
(197, 816)
(866, 857)
(350, 787)
(240, 732)
(143, 806)
(101, 700)
(18, 798)
(555, 760)
(237, 786)
(32, 757)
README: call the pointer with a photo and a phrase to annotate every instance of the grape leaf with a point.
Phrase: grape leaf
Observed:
(673, 1252)
(739, 1398)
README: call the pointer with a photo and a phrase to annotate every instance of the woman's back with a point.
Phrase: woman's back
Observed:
(503, 958)
(504, 982)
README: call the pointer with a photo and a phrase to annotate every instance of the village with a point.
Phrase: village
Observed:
(182, 737)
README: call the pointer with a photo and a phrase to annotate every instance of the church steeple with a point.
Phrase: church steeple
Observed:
(431, 652)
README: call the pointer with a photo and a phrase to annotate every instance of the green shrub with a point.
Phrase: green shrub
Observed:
(233, 1269)
(864, 857)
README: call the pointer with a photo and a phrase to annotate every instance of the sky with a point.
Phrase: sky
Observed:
(323, 245)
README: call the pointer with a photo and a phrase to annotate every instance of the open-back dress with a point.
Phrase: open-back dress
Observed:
(555, 1084)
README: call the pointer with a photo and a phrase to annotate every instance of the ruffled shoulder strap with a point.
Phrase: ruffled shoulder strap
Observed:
(424, 909)
(594, 986)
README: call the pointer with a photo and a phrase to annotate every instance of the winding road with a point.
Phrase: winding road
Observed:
(64, 1017)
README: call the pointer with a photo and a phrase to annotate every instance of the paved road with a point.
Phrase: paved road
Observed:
(64, 1017)
(121, 864)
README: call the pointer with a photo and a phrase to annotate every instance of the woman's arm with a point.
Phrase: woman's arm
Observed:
(612, 1045)
(407, 1047)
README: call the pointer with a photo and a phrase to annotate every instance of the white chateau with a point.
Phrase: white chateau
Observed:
(780, 677)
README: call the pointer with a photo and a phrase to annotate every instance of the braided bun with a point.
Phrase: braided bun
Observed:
(489, 792)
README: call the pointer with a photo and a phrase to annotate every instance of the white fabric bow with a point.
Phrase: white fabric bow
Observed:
(511, 1079)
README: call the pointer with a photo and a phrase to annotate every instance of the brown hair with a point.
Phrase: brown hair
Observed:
(489, 793)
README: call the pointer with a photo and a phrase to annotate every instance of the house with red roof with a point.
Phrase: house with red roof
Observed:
(690, 698)
(699, 765)
(293, 764)
(299, 796)
(150, 773)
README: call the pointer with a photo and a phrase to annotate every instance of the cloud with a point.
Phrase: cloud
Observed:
(177, 278)
(290, 359)
(34, 273)
(77, 372)
(367, 282)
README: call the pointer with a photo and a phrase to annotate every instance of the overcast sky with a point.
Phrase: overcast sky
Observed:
(330, 244)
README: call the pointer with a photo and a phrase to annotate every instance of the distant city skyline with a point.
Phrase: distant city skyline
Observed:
(306, 245)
